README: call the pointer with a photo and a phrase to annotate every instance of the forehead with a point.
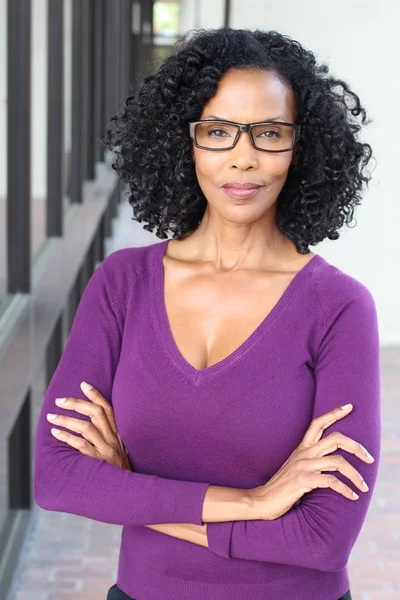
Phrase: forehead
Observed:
(250, 96)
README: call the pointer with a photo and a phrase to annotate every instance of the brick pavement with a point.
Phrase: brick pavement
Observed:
(66, 557)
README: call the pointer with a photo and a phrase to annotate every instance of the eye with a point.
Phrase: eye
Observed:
(213, 131)
(272, 134)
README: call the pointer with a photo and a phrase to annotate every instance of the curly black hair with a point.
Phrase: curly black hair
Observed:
(153, 150)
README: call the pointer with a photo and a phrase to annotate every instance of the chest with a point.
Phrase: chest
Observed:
(215, 377)
(211, 316)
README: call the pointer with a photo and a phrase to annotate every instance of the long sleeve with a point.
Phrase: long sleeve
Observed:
(68, 481)
(320, 530)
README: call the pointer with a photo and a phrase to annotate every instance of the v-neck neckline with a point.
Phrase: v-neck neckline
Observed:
(158, 297)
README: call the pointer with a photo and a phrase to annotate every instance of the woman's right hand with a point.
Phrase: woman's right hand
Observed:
(301, 473)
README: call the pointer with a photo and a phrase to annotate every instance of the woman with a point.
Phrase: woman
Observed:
(218, 361)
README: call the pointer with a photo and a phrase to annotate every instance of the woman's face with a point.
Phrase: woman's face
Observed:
(245, 97)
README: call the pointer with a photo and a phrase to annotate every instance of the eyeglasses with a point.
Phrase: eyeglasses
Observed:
(268, 136)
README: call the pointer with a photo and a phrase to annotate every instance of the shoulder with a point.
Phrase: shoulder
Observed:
(124, 268)
(339, 293)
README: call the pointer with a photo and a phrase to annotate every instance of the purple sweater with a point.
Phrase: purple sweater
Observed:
(232, 424)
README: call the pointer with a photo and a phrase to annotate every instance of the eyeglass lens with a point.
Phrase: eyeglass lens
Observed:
(216, 135)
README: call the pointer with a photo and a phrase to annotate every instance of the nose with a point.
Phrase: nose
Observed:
(243, 155)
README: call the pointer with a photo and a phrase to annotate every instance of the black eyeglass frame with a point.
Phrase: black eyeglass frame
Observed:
(244, 127)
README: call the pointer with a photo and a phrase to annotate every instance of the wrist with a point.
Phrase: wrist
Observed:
(223, 504)
(253, 500)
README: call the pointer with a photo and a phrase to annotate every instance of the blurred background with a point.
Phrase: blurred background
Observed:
(65, 67)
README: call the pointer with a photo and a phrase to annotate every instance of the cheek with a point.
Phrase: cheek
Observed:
(209, 166)
(276, 166)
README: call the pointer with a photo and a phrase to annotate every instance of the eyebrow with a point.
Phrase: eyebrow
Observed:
(279, 118)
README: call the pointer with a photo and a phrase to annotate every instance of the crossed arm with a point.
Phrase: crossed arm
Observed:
(102, 441)
(318, 533)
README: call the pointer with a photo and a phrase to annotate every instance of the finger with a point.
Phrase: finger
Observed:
(318, 425)
(94, 395)
(94, 411)
(336, 462)
(336, 440)
(78, 443)
(330, 481)
(85, 428)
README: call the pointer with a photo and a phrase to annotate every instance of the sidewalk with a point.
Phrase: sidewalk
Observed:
(66, 557)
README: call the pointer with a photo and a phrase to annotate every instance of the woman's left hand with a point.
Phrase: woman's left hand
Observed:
(101, 439)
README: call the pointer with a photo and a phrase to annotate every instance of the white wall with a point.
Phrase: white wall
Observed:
(359, 39)
(39, 99)
(196, 14)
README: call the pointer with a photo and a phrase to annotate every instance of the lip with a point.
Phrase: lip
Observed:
(239, 185)
(240, 193)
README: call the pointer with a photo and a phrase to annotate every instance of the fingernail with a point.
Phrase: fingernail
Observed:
(55, 431)
(60, 400)
(346, 406)
(371, 458)
(355, 495)
(86, 386)
(51, 416)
